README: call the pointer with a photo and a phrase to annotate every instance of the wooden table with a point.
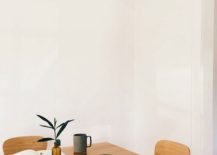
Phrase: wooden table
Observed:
(101, 149)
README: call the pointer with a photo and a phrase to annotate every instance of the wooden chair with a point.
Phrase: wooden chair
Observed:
(166, 147)
(18, 144)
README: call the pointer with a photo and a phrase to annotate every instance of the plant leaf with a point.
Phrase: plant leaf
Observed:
(63, 126)
(65, 122)
(55, 122)
(46, 120)
(45, 139)
(46, 126)
(61, 129)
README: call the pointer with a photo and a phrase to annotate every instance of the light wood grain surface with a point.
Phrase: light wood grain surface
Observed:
(101, 149)
(18, 144)
(166, 147)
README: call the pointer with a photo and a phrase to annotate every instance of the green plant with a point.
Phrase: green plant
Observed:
(57, 129)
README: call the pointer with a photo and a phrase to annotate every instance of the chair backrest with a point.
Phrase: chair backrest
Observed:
(166, 147)
(18, 144)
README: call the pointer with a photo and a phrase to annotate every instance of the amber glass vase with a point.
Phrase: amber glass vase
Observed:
(56, 150)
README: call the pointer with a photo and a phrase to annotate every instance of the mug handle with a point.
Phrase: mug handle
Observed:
(90, 141)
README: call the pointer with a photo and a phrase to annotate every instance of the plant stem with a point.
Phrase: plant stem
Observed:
(55, 135)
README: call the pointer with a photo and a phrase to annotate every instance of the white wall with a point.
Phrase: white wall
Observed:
(173, 74)
(69, 59)
(207, 50)
(215, 84)
(162, 72)
(129, 71)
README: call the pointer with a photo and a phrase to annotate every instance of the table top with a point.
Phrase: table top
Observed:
(101, 149)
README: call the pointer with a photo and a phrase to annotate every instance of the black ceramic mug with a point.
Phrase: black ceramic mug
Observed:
(80, 143)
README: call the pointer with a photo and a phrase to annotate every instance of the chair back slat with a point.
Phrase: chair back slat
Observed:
(166, 147)
(17, 144)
